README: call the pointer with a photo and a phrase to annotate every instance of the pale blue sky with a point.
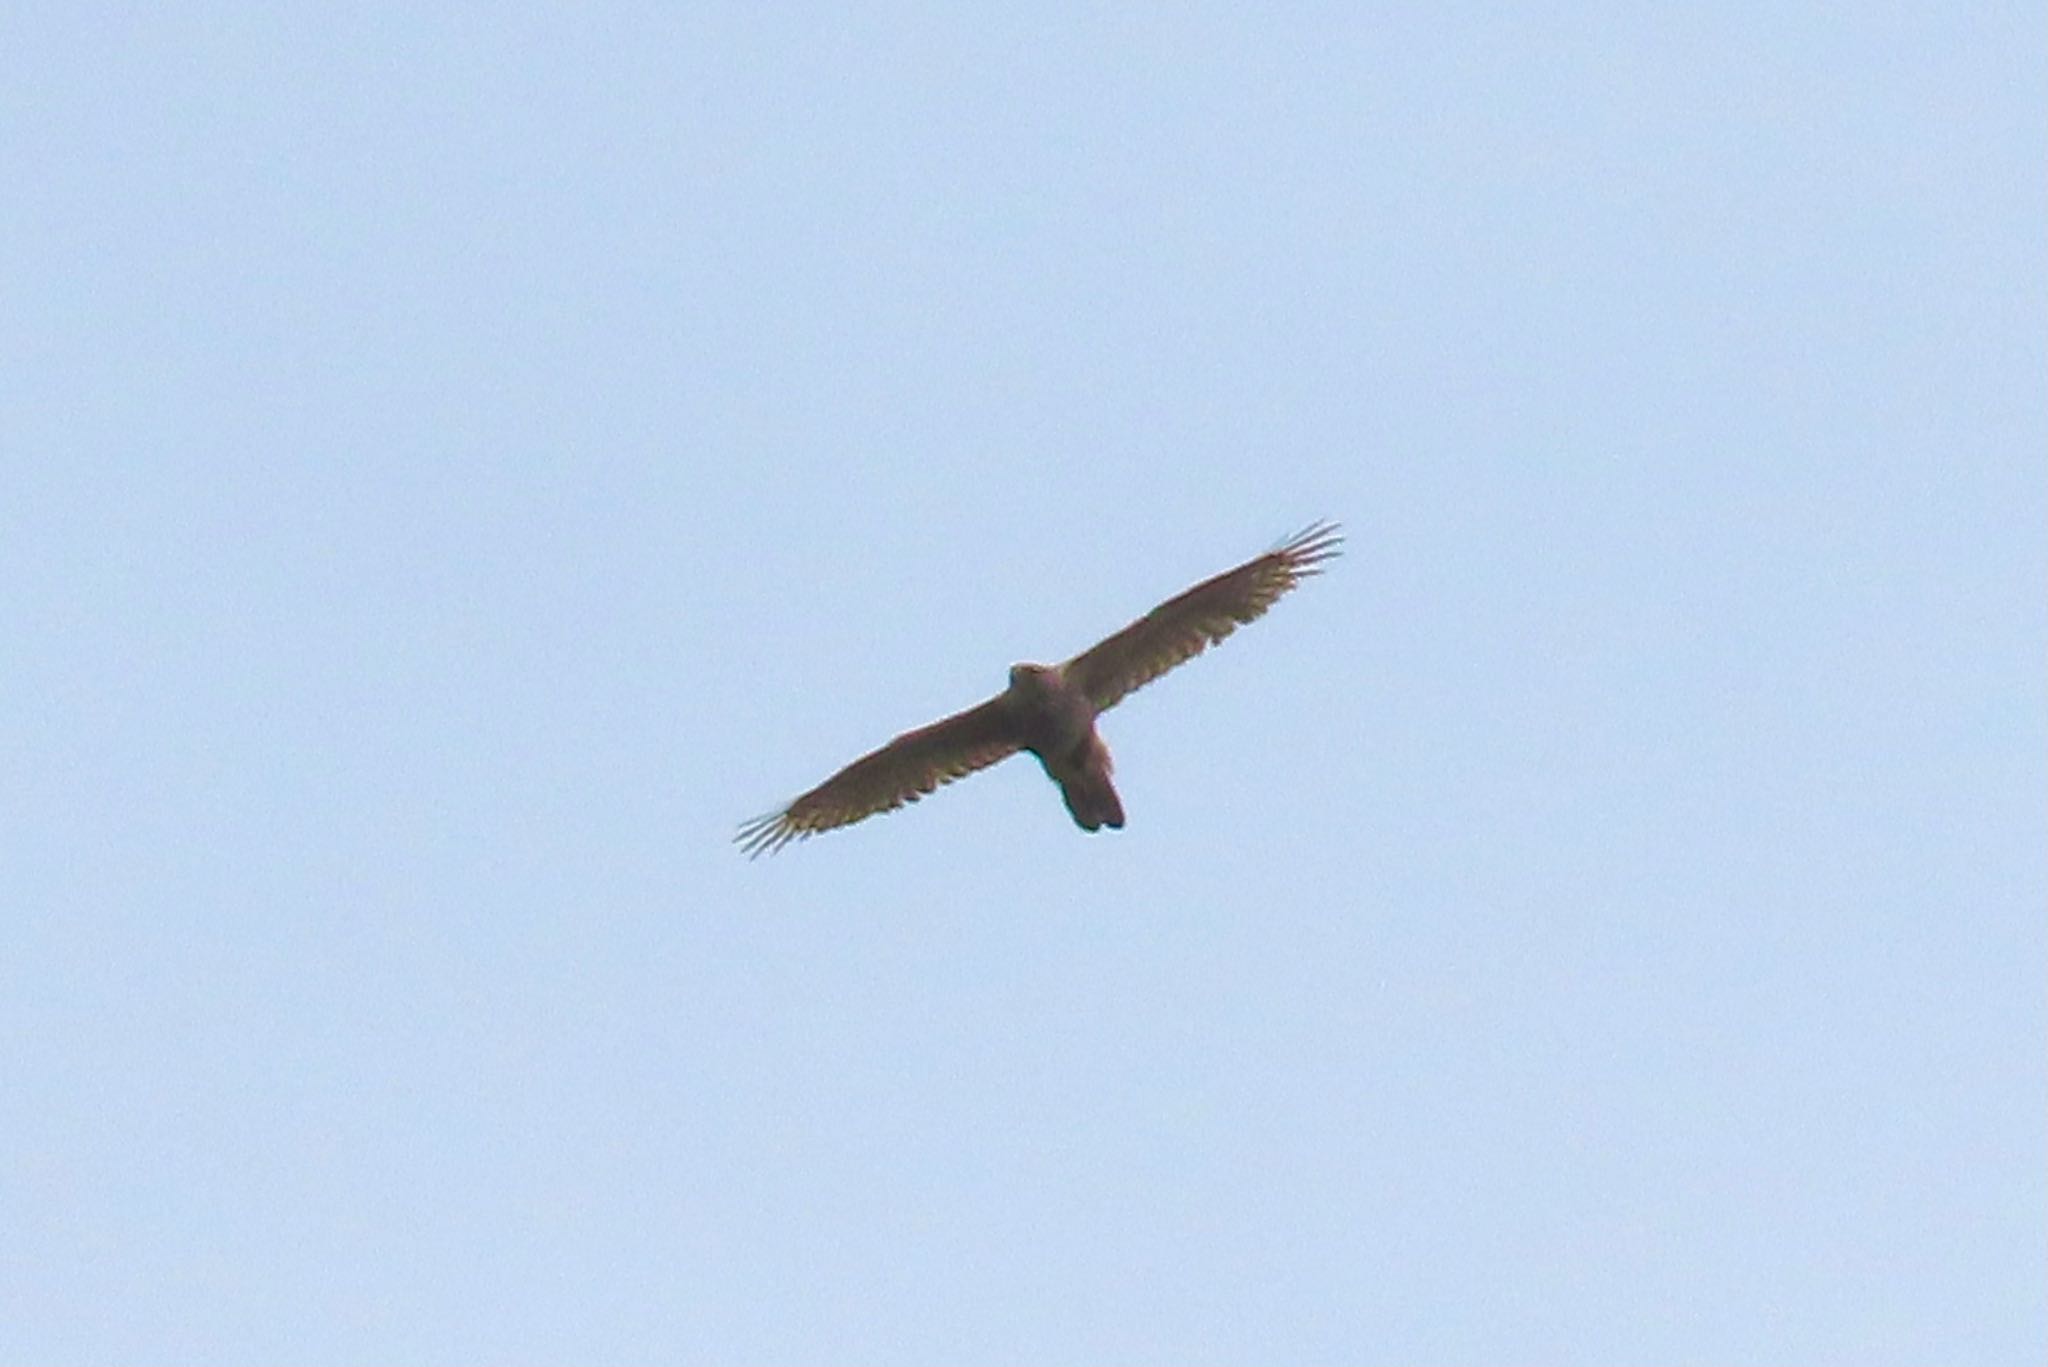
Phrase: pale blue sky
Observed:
(459, 462)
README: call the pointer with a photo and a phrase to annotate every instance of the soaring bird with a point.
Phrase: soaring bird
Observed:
(1050, 710)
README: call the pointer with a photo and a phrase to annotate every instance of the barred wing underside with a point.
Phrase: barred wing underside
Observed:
(906, 769)
(1183, 627)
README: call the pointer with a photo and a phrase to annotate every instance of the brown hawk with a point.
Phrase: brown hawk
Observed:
(1050, 710)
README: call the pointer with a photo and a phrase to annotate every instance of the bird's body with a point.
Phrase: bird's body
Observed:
(1056, 722)
(1050, 710)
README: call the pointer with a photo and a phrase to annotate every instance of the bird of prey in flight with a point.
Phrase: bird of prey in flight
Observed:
(1050, 710)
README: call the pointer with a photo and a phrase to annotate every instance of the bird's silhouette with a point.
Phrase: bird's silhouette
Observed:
(1050, 710)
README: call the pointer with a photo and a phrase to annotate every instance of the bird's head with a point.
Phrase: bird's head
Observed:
(1030, 679)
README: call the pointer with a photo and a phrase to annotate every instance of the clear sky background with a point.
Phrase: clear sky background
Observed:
(460, 462)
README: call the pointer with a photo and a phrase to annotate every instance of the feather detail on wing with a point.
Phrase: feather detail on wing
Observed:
(1181, 628)
(904, 770)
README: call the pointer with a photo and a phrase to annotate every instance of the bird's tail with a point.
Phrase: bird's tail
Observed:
(1090, 796)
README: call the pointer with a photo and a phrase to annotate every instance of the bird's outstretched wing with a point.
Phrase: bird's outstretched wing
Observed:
(1181, 628)
(904, 770)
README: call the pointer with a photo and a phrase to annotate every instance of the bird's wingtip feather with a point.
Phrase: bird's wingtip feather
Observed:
(1319, 541)
(766, 834)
